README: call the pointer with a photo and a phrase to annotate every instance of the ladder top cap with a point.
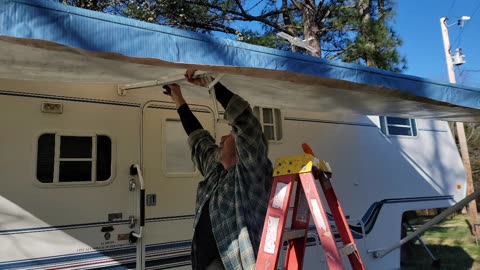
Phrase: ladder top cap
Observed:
(299, 164)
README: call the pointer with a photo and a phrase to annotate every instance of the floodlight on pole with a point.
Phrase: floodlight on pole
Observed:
(460, 22)
(295, 41)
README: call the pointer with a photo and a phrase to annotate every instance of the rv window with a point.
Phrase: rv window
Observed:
(271, 121)
(396, 126)
(177, 152)
(67, 159)
(75, 171)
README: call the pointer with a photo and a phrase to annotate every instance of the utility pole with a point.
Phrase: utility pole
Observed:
(472, 207)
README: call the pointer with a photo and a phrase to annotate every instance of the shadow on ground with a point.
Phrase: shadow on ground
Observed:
(450, 257)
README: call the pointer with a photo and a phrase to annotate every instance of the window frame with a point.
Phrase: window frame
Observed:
(274, 122)
(56, 162)
(384, 127)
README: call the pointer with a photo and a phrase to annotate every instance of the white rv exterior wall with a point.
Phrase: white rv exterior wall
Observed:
(38, 221)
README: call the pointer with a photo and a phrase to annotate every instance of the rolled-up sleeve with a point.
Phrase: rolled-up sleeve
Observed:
(251, 149)
(203, 149)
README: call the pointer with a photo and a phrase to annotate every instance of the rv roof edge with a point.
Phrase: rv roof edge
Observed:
(89, 55)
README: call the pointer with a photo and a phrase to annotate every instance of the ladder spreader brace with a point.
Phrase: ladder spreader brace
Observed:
(310, 173)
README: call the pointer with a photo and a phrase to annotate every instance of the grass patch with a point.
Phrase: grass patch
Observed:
(450, 241)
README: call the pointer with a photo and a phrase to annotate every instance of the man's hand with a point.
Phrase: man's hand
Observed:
(200, 81)
(174, 91)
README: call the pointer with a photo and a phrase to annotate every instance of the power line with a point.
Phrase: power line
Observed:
(449, 11)
(476, 9)
(458, 39)
(461, 77)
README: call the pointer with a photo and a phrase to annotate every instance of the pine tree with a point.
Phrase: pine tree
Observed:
(376, 43)
(356, 31)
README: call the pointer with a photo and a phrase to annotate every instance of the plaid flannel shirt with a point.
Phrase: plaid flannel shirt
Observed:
(238, 197)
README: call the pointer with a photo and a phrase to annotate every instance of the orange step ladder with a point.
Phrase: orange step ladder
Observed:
(309, 173)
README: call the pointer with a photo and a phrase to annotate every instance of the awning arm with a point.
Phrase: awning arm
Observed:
(122, 89)
(381, 253)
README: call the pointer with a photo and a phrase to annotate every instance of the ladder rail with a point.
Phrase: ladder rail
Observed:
(320, 219)
(271, 242)
(340, 220)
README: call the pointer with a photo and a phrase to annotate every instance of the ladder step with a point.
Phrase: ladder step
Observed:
(293, 234)
(347, 249)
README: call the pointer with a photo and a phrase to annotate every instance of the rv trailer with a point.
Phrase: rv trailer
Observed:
(86, 128)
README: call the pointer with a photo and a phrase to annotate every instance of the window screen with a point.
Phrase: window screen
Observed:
(178, 157)
(79, 159)
(396, 126)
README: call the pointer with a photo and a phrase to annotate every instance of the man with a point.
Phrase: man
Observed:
(233, 197)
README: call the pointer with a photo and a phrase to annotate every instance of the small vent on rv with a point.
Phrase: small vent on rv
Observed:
(48, 107)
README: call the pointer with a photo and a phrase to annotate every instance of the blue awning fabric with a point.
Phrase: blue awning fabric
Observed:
(46, 40)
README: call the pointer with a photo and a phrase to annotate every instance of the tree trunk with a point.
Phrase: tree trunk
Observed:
(287, 20)
(310, 26)
(381, 10)
(364, 10)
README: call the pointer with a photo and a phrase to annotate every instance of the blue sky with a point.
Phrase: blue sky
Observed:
(417, 22)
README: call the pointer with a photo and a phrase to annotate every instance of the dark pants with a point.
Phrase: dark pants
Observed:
(204, 248)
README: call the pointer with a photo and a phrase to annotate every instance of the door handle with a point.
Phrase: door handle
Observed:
(107, 229)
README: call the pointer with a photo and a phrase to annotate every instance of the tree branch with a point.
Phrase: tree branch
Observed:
(212, 26)
(239, 4)
(340, 52)
(298, 5)
(472, 132)
(247, 16)
(276, 12)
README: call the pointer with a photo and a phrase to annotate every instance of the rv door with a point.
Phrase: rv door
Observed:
(171, 181)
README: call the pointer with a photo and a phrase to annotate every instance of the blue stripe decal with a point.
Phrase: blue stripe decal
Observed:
(62, 227)
(95, 254)
(368, 219)
(67, 258)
